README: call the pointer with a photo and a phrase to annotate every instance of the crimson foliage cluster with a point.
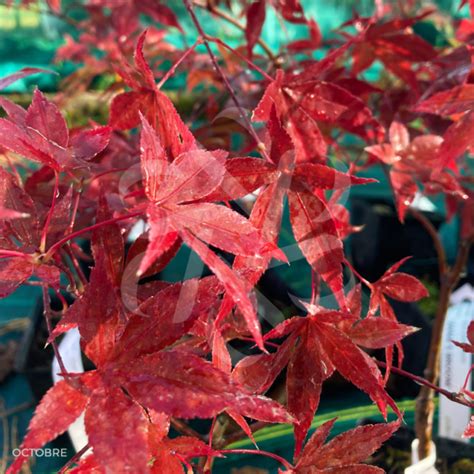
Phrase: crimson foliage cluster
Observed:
(304, 129)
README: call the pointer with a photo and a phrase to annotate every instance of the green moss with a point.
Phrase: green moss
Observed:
(429, 305)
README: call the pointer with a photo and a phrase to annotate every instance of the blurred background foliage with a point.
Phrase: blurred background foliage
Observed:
(30, 35)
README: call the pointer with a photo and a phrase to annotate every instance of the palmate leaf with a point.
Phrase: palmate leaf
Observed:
(422, 160)
(304, 101)
(450, 102)
(469, 431)
(242, 176)
(394, 44)
(117, 430)
(96, 311)
(318, 238)
(191, 176)
(166, 352)
(20, 232)
(46, 118)
(126, 108)
(316, 230)
(236, 289)
(255, 19)
(14, 198)
(186, 386)
(67, 403)
(398, 285)
(345, 452)
(325, 345)
(172, 189)
(222, 228)
(167, 316)
(467, 346)
(308, 368)
(17, 270)
(154, 161)
(377, 333)
(41, 134)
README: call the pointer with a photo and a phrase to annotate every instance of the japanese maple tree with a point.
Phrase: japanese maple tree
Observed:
(276, 129)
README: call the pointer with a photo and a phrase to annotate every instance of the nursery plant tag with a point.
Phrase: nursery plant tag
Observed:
(455, 363)
(70, 351)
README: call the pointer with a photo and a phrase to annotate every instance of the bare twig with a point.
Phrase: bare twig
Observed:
(215, 63)
(225, 16)
(240, 56)
(17, 409)
(74, 459)
(47, 318)
(175, 66)
(185, 429)
(453, 396)
(49, 216)
(80, 232)
(281, 460)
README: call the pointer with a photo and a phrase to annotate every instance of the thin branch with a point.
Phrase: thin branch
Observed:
(424, 403)
(281, 460)
(240, 56)
(49, 216)
(74, 459)
(76, 266)
(453, 396)
(239, 434)
(47, 317)
(15, 410)
(215, 63)
(357, 274)
(225, 16)
(75, 208)
(185, 429)
(13, 253)
(69, 237)
(175, 66)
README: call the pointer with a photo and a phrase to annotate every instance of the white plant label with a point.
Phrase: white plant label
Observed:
(70, 350)
(455, 364)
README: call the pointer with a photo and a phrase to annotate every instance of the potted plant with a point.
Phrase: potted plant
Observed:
(140, 188)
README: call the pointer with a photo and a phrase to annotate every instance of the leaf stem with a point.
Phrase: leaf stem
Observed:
(238, 435)
(281, 460)
(73, 235)
(175, 66)
(47, 318)
(453, 396)
(75, 208)
(74, 459)
(49, 216)
(357, 274)
(225, 16)
(240, 56)
(13, 253)
(315, 282)
(77, 268)
(185, 429)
